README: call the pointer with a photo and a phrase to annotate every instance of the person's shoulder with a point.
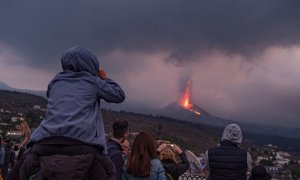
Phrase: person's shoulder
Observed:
(113, 144)
(155, 161)
(113, 148)
(211, 149)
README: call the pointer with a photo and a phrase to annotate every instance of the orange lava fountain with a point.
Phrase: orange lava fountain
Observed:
(185, 101)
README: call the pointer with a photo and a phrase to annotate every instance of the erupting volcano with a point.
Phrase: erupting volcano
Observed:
(184, 108)
(185, 101)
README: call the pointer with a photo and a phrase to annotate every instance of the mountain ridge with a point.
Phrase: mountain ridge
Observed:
(4, 86)
(175, 110)
(192, 135)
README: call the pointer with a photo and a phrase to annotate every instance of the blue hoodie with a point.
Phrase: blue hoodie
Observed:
(74, 95)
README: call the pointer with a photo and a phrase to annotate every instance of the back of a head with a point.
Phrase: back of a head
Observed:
(143, 146)
(259, 173)
(6, 139)
(120, 128)
(232, 133)
(79, 59)
(25, 127)
(24, 124)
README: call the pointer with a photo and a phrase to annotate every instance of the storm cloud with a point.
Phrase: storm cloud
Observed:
(242, 56)
(42, 29)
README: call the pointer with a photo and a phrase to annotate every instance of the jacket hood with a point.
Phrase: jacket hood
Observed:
(232, 133)
(78, 59)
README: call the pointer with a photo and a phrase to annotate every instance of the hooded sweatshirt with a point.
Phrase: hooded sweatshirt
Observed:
(232, 133)
(74, 96)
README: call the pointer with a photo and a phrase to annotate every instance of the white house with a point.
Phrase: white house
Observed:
(282, 161)
(259, 158)
(36, 107)
(14, 119)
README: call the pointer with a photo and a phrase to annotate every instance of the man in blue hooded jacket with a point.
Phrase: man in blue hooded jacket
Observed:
(73, 123)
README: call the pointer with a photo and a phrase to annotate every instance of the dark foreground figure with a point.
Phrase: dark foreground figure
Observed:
(69, 143)
(259, 173)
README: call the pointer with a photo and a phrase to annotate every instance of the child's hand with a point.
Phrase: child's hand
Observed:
(176, 148)
(161, 147)
(102, 74)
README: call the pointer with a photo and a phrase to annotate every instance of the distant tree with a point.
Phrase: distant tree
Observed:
(294, 167)
(159, 126)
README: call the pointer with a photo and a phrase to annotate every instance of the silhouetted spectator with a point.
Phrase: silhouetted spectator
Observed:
(259, 173)
(8, 157)
(227, 161)
(71, 137)
(114, 148)
(142, 162)
(2, 158)
(167, 155)
(26, 133)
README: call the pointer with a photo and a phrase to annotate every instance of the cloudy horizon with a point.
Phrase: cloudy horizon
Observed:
(241, 56)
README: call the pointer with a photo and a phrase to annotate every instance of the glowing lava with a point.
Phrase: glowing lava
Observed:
(185, 101)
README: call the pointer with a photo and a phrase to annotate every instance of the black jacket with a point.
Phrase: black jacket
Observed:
(114, 150)
(61, 158)
(175, 169)
(227, 162)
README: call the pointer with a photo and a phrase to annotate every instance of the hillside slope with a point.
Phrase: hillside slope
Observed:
(195, 136)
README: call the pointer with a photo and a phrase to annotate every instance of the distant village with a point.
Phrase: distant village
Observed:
(9, 119)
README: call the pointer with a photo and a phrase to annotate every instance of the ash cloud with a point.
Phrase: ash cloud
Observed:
(42, 30)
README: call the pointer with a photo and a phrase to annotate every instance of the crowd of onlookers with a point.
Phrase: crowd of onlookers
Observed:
(70, 141)
(12, 149)
(144, 158)
(151, 160)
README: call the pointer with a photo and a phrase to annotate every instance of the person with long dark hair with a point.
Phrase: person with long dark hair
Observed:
(142, 162)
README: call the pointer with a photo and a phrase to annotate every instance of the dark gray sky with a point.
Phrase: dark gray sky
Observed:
(242, 56)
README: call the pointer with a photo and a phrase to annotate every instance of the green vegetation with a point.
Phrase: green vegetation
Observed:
(294, 167)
